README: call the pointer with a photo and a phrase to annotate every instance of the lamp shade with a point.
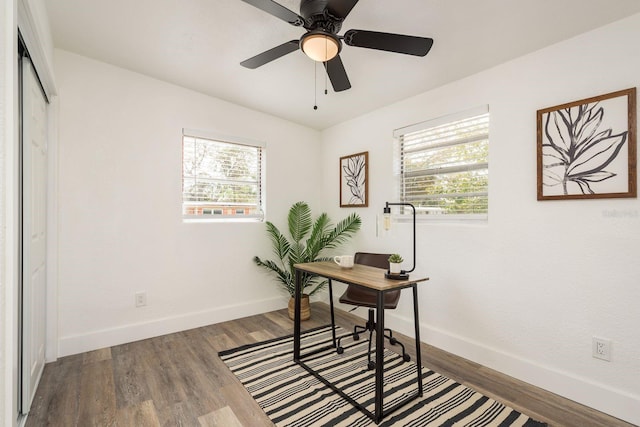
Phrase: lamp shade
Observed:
(386, 218)
(320, 46)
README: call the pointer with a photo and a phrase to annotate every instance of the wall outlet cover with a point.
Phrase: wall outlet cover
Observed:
(601, 348)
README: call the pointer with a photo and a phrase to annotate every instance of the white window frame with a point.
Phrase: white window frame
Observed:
(427, 214)
(216, 215)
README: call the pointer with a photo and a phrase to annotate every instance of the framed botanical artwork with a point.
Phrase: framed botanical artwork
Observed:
(587, 148)
(354, 177)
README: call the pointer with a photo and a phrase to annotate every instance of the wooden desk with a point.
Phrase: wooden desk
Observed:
(367, 277)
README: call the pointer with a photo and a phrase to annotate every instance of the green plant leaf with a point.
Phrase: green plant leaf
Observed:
(318, 287)
(323, 235)
(299, 220)
(316, 242)
(343, 231)
(282, 275)
(280, 244)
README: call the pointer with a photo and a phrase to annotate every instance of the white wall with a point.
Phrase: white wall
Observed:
(119, 208)
(525, 292)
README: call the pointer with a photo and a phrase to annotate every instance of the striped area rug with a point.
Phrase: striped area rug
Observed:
(290, 396)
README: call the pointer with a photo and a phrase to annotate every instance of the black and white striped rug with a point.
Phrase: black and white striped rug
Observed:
(290, 396)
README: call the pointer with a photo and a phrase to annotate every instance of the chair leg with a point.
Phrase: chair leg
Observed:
(390, 337)
(371, 327)
(357, 330)
(394, 341)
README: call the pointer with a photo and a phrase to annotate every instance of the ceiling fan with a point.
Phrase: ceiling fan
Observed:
(323, 20)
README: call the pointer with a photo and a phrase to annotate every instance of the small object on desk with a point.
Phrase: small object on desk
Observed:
(344, 261)
(396, 276)
(395, 265)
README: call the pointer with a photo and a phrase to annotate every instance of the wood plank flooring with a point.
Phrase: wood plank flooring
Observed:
(178, 380)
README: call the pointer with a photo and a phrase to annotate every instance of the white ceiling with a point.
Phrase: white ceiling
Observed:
(199, 44)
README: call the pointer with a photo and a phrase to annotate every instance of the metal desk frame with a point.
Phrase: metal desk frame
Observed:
(373, 279)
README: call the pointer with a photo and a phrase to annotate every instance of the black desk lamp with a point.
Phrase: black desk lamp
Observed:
(404, 274)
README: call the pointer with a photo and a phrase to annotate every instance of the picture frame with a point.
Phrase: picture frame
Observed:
(354, 180)
(587, 149)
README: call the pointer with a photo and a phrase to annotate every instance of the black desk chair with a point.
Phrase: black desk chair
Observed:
(363, 297)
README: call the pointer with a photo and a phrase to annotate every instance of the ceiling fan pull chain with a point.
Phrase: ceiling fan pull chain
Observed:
(315, 85)
(326, 55)
(325, 83)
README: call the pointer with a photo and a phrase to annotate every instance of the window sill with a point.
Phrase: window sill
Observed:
(200, 220)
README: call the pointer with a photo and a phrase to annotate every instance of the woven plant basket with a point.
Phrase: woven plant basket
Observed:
(305, 308)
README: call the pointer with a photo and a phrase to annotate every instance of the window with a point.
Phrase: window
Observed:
(221, 177)
(444, 165)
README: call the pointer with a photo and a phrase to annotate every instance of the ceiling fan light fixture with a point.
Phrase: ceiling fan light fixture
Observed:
(320, 46)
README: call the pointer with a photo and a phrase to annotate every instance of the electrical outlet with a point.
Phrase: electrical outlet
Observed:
(141, 299)
(601, 348)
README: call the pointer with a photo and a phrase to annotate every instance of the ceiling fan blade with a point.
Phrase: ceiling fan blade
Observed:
(341, 8)
(337, 74)
(399, 43)
(271, 54)
(277, 10)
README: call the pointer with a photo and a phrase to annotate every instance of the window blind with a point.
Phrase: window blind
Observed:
(444, 166)
(221, 179)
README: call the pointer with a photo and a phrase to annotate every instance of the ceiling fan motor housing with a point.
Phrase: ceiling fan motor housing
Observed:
(318, 16)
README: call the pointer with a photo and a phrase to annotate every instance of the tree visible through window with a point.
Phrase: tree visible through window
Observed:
(221, 179)
(444, 164)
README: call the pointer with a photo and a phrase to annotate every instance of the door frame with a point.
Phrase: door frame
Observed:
(28, 19)
(32, 290)
(36, 38)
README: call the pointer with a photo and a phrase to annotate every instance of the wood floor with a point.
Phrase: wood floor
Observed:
(178, 380)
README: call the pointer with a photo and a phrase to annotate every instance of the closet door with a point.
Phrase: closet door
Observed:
(34, 209)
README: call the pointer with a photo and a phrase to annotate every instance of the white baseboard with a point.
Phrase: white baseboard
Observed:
(74, 344)
(598, 396)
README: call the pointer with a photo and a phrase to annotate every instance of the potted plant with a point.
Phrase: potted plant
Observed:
(308, 238)
(395, 263)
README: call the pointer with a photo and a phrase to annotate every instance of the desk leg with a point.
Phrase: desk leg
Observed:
(416, 322)
(379, 356)
(333, 318)
(296, 317)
